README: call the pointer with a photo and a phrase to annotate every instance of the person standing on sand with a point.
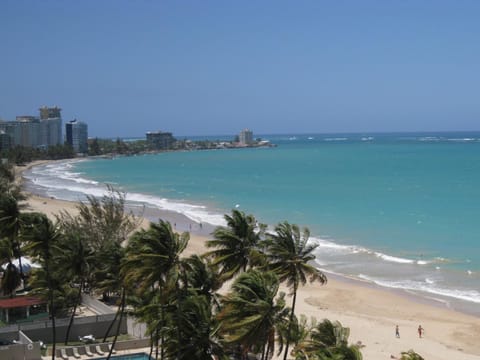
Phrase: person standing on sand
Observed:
(420, 331)
(397, 331)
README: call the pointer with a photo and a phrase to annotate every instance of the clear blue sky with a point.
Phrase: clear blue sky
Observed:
(216, 67)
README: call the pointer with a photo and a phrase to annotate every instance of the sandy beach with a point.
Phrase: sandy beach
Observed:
(370, 312)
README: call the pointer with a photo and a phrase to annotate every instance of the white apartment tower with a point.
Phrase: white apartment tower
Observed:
(245, 137)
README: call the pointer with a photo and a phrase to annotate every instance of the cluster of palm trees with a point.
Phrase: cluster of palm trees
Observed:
(223, 304)
(187, 318)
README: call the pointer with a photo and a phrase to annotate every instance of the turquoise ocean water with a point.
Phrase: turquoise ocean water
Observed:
(399, 210)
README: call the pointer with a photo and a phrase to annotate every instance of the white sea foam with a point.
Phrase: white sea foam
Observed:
(466, 295)
(328, 245)
(429, 138)
(57, 181)
(461, 139)
(423, 262)
(394, 258)
(336, 139)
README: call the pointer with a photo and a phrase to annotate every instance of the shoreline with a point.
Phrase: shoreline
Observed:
(371, 311)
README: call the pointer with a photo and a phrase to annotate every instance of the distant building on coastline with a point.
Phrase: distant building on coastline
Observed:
(33, 131)
(245, 137)
(5, 141)
(159, 140)
(76, 135)
(28, 130)
(51, 126)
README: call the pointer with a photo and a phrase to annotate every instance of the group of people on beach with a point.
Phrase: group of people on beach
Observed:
(420, 330)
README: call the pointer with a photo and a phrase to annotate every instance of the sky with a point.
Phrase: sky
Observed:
(217, 67)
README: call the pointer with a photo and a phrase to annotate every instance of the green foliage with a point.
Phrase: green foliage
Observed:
(410, 355)
(236, 245)
(194, 334)
(176, 297)
(251, 312)
(21, 155)
(109, 147)
(289, 256)
(327, 340)
(8, 186)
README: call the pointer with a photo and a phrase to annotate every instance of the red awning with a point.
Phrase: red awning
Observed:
(19, 302)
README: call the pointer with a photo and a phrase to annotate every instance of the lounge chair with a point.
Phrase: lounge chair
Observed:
(63, 354)
(109, 346)
(76, 354)
(99, 350)
(88, 352)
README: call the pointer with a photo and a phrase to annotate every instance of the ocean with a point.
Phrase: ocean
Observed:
(397, 210)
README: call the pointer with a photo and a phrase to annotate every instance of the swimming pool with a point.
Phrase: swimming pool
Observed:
(139, 356)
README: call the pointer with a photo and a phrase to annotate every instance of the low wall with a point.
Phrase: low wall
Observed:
(42, 331)
(21, 352)
(119, 345)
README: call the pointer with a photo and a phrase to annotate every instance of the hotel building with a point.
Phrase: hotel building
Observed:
(76, 135)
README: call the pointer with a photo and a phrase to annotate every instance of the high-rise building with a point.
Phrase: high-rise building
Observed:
(50, 112)
(5, 141)
(245, 137)
(76, 135)
(32, 131)
(28, 129)
(160, 140)
(12, 130)
(51, 126)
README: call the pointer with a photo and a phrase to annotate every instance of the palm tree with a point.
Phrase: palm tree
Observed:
(289, 254)
(251, 313)
(327, 340)
(410, 355)
(41, 243)
(198, 337)
(76, 258)
(236, 246)
(10, 225)
(152, 254)
(297, 331)
(202, 278)
(11, 280)
(105, 226)
(153, 262)
(107, 274)
(147, 310)
(8, 186)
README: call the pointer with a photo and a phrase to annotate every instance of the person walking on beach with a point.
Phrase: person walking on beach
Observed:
(420, 331)
(397, 331)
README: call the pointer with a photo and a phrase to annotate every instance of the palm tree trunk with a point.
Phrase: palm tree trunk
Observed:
(162, 324)
(151, 346)
(122, 306)
(22, 275)
(179, 300)
(156, 344)
(111, 325)
(79, 296)
(52, 308)
(263, 352)
(295, 286)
